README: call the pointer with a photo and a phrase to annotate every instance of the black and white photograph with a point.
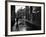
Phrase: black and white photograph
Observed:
(25, 18)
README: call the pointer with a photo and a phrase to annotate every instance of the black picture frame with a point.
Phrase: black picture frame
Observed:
(6, 16)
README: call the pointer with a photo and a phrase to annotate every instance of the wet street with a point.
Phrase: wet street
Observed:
(25, 25)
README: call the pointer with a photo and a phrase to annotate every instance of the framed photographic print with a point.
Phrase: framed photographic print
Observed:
(24, 18)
